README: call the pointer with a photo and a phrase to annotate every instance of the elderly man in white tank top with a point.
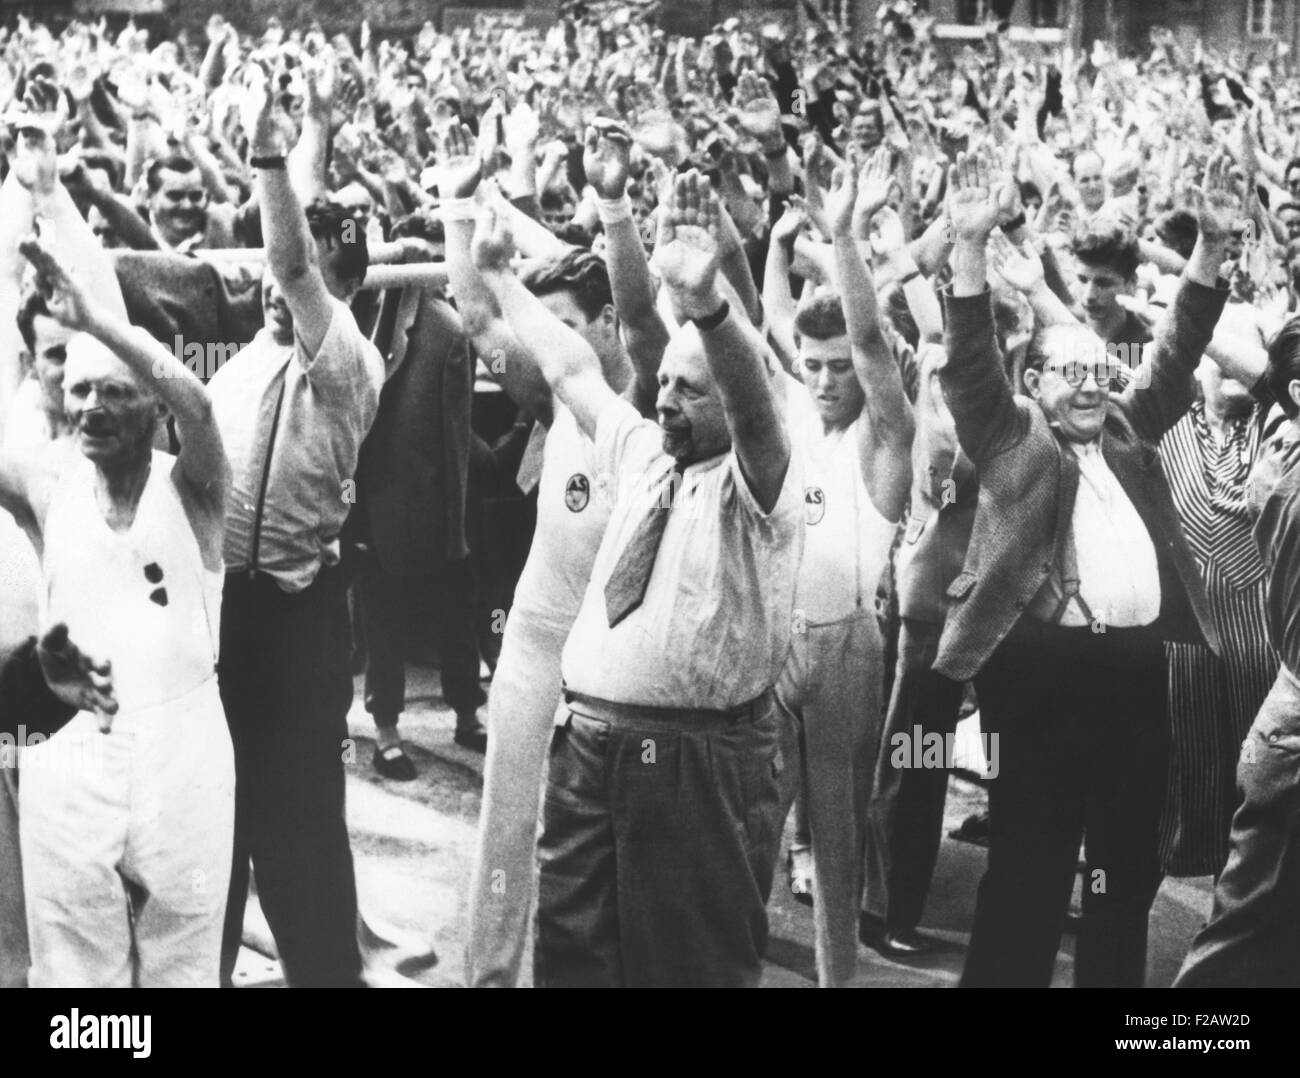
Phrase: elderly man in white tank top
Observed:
(857, 475)
(127, 856)
(32, 420)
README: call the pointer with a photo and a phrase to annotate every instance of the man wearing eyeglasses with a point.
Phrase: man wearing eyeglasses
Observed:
(1077, 573)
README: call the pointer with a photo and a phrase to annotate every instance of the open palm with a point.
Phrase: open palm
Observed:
(688, 249)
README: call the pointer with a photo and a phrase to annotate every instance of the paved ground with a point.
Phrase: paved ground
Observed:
(413, 843)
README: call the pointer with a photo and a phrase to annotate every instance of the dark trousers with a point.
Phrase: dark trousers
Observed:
(286, 690)
(905, 816)
(656, 854)
(1253, 938)
(1083, 730)
(385, 604)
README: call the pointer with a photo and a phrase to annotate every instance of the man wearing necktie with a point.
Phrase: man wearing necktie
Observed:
(656, 855)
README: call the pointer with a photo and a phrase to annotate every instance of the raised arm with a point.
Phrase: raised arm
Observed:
(885, 439)
(460, 168)
(203, 466)
(1163, 388)
(606, 161)
(983, 407)
(307, 161)
(290, 249)
(687, 257)
(1022, 269)
(569, 365)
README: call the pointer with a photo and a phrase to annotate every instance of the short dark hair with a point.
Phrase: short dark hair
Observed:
(894, 302)
(337, 224)
(573, 234)
(822, 319)
(1178, 230)
(33, 304)
(421, 225)
(577, 271)
(172, 163)
(1108, 245)
(1284, 364)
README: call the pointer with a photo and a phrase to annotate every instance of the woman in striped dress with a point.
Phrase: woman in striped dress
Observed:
(1212, 700)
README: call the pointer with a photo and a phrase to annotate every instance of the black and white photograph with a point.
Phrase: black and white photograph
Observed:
(651, 494)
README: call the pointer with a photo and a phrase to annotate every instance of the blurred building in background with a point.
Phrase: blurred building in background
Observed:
(1259, 27)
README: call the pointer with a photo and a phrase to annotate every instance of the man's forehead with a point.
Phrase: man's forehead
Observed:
(169, 180)
(89, 360)
(1073, 344)
(684, 355)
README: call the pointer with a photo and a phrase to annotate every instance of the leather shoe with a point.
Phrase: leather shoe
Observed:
(393, 763)
(471, 735)
(905, 943)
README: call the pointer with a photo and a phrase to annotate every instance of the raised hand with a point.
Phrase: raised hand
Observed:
(874, 185)
(688, 249)
(80, 81)
(522, 129)
(1218, 202)
(757, 112)
(255, 113)
(320, 76)
(606, 158)
(493, 245)
(67, 301)
(793, 221)
(460, 165)
(75, 678)
(887, 235)
(974, 204)
(842, 197)
(38, 124)
(1019, 266)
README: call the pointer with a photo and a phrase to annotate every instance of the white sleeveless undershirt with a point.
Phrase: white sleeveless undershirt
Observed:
(846, 539)
(142, 597)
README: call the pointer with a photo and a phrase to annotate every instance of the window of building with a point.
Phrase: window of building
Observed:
(1265, 18)
(970, 12)
(1045, 12)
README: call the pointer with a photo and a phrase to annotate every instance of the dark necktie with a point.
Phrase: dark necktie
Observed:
(627, 584)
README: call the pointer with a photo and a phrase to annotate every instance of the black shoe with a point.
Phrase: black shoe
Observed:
(393, 763)
(472, 737)
(974, 829)
(904, 943)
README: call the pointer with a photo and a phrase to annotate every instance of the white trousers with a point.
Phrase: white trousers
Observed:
(830, 698)
(521, 718)
(126, 847)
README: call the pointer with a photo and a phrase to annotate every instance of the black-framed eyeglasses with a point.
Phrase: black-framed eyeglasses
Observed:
(1107, 375)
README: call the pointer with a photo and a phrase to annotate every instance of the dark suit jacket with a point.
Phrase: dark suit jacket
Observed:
(178, 297)
(25, 699)
(1029, 478)
(413, 465)
(941, 515)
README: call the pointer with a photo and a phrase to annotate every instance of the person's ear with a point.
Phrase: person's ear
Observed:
(609, 317)
(1033, 382)
(1293, 391)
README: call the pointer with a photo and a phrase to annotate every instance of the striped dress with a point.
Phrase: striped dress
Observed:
(1212, 700)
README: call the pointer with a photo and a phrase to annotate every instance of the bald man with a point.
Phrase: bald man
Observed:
(127, 861)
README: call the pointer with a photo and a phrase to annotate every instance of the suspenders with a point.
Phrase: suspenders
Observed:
(266, 475)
